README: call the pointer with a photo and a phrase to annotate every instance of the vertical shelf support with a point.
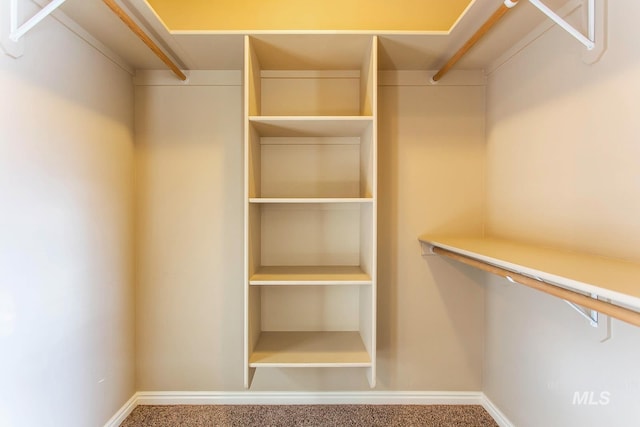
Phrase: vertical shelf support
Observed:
(12, 37)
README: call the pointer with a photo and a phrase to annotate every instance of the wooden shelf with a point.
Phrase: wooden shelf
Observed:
(310, 275)
(308, 200)
(616, 280)
(310, 126)
(309, 349)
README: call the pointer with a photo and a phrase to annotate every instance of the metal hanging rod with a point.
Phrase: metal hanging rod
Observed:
(133, 26)
(591, 302)
(588, 41)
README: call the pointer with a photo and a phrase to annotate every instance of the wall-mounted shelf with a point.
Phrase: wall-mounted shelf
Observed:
(310, 275)
(593, 40)
(310, 126)
(285, 200)
(607, 285)
(310, 350)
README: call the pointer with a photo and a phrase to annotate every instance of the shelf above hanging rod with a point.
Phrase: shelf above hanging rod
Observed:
(578, 278)
(138, 31)
(12, 33)
(589, 41)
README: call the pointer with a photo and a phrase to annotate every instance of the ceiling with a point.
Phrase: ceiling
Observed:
(213, 50)
(301, 15)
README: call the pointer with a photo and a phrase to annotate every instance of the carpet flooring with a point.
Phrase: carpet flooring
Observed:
(309, 415)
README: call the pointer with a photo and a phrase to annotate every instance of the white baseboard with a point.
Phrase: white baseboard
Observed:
(495, 413)
(307, 398)
(123, 412)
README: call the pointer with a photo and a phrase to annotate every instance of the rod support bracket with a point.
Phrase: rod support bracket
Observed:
(8, 17)
(12, 33)
(591, 315)
(594, 14)
(594, 22)
(427, 248)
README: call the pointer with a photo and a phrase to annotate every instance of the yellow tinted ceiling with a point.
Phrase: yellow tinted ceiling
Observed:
(308, 15)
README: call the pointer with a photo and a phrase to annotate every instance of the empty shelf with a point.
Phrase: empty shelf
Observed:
(310, 349)
(310, 200)
(310, 126)
(310, 275)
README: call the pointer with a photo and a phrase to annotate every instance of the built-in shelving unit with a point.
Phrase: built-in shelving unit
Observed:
(310, 212)
(608, 285)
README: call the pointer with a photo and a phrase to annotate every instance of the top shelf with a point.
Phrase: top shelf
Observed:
(613, 279)
(283, 76)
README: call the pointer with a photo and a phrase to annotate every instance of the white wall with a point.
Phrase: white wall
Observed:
(563, 169)
(431, 169)
(66, 295)
(190, 271)
(189, 317)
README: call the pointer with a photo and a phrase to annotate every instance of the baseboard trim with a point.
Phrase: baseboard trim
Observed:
(500, 418)
(308, 398)
(123, 412)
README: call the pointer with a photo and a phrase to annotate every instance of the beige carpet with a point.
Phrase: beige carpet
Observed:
(309, 415)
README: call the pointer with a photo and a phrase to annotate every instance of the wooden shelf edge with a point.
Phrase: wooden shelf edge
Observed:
(310, 349)
(310, 275)
(311, 365)
(269, 119)
(310, 282)
(310, 126)
(310, 200)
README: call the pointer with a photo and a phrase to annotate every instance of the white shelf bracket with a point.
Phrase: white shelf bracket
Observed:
(590, 315)
(12, 33)
(427, 249)
(594, 39)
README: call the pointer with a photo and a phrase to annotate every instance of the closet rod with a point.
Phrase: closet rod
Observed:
(493, 19)
(144, 37)
(621, 313)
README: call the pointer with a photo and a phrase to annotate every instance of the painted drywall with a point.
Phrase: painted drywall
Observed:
(563, 169)
(431, 169)
(66, 294)
(190, 235)
(189, 204)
